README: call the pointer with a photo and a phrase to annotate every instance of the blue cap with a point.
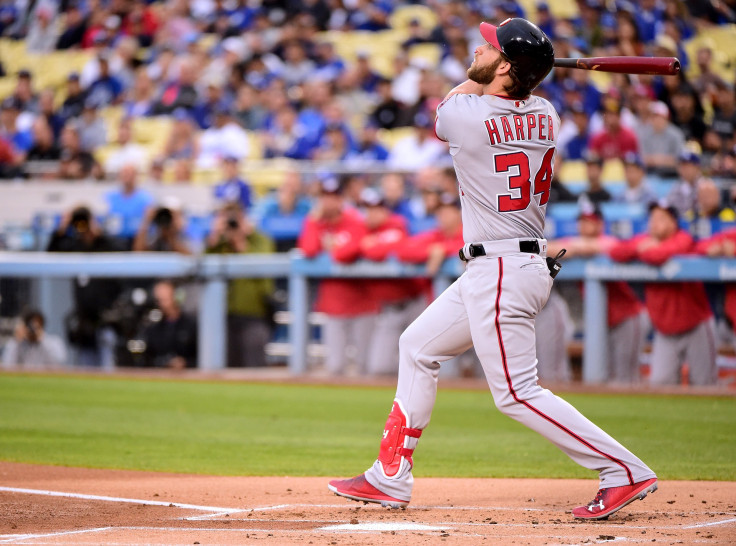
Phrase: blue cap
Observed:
(689, 156)
(632, 158)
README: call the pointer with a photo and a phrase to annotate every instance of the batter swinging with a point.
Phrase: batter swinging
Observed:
(502, 140)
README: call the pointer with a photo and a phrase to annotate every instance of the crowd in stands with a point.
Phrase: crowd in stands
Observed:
(308, 80)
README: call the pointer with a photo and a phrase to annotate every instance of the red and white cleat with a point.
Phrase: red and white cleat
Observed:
(612, 499)
(358, 489)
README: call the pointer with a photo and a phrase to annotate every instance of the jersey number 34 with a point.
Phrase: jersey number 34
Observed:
(519, 180)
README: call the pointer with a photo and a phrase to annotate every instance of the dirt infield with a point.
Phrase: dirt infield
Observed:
(58, 505)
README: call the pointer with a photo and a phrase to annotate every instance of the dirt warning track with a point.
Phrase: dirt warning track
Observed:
(59, 505)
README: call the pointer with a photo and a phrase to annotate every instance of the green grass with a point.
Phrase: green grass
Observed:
(264, 429)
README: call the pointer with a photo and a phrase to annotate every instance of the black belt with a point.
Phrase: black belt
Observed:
(475, 250)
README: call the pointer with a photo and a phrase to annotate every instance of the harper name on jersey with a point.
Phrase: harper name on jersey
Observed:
(525, 127)
(503, 151)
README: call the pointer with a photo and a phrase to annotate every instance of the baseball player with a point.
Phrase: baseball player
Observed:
(502, 141)
(684, 328)
(401, 300)
(627, 321)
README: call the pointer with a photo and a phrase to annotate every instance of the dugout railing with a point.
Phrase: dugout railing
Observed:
(51, 274)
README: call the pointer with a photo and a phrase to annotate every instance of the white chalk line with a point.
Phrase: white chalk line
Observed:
(710, 524)
(118, 499)
(23, 538)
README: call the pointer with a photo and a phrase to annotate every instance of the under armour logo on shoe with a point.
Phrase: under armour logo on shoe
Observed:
(592, 506)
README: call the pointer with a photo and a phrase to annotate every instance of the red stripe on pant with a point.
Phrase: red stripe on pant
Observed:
(527, 404)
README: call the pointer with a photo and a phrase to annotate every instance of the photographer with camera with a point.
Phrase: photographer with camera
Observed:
(78, 231)
(162, 230)
(170, 335)
(31, 345)
(249, 301)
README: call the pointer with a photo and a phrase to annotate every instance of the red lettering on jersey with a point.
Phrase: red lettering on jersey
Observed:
(542, 119)
(519, 125)
(551, 129)
(531, 123)
(507, 134)
(493, 133)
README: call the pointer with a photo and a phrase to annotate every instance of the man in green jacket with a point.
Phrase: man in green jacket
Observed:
(248, 300)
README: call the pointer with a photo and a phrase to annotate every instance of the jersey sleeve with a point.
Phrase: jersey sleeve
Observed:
(451, 118)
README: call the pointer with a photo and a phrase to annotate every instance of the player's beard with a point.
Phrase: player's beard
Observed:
(484, 74)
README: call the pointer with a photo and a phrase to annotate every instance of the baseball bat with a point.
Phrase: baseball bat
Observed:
(663, 66)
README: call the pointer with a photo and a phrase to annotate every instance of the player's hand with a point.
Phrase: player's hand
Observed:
(646, 244)
(728, 248)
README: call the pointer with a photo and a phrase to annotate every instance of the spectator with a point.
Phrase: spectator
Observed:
(31, 345)
(139, 101)
(75, 26)
(74, 102)
(687, 113)
(393, 188)
(26, 98)
(637, 190)
(680, 313)
(388, 112)
(724, 114)
(297, 66)
(87, 332)
(22, 140)
(661, 143)
(573, 136)
(420, 149)
(595, 193)
(400, 300)
(180, 92)
(91, 127)
(249, 300)
(709, 213)
(182, 143)
(615, 140)
(126, 151)
(106, 89)
(233, 189)
(334, 145)
(454, 65)
(47, 110)
(369, 148)
(76, 163)
(170, 336)
(247, 110)
(44, 148)
(141, 23)
(287, 137)
(203, 112)
(162, 230)
(433, 247)
(332, 228)
(282, 213)
(127, 204)
(11, 164)
(707, 81)
(682, 194)
(627, 323)
(225, 138)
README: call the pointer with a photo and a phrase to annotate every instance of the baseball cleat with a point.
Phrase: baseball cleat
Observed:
(612, 499)
(358, 489)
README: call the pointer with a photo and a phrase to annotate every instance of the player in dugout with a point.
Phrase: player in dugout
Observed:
(680, 313)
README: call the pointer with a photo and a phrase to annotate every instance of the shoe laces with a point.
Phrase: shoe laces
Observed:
(598, 498)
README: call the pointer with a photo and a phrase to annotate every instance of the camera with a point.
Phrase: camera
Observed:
(163, 218)
(232, 223)
(80, 219)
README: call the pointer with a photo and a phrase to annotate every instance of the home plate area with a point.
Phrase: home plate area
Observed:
(55, 505)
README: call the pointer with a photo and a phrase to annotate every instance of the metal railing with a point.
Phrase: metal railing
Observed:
(215, 270)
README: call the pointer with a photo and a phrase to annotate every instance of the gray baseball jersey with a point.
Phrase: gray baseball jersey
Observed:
(503, 152)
